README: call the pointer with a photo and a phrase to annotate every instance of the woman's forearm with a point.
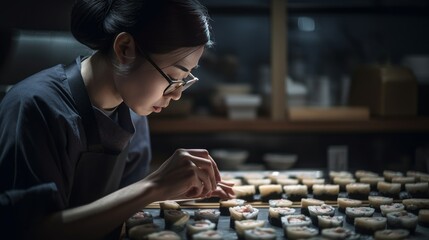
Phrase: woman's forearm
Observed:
(96, 219)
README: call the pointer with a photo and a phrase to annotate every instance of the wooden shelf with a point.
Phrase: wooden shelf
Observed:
(265, 125)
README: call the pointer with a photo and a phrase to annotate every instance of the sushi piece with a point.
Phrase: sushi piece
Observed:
(280, 203)
(303, 176)
(340, 174)
(418, 190)
(260, 233)
(141, 231)
(276, 213)
(163, 235)
(326, 221)
(209, 214)
(343, 203)
(424, 178)
(287, 181)
(270, 191)
(388, 175)
(234, 181)
(372, 181)
(258, 182)
(403, 181)
(198, 226)
(391, 234)
(358, 190)
(368, 225)
(423, 217)
(175, 220)
(389, 189)
(342, 182)
(413, 205)
(337, 233)
(239, 213)
(301, 232)
(224, 205)
(295, 221)
(296, 192)
(273, 176)
(140, 217)
(208, 235)
(354, 212)
(394, 207)
(363, 173)
(243, 225)
(249, 176)
(376, 201)
(167, 205)
(326, 192)
(418, 175)
(309, 182)
(245, 192)
(306, 202)
(317, 238)
(402, 220)
(322, 210)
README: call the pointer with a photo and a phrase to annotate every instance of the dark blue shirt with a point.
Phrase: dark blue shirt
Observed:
(41, 141)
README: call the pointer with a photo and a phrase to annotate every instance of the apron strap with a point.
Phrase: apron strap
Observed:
(84, 107)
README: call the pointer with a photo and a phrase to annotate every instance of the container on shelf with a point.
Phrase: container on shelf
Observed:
(243, 106)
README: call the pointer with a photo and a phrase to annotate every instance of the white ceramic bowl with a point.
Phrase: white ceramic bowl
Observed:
(229, 159)
(277, 161)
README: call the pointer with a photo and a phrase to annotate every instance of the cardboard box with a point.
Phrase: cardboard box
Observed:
(385, 90)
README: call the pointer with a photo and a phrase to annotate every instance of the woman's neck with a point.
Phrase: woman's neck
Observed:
(97, 75)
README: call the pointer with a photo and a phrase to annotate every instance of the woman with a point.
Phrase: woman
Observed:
(72, 153)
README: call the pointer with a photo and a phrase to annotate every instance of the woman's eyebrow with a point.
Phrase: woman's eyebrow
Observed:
(184, 68)
(181, 67)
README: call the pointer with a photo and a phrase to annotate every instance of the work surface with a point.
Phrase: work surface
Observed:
(422, 233)
(229, 233)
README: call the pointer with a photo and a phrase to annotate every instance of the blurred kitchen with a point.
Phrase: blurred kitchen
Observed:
(297, 84)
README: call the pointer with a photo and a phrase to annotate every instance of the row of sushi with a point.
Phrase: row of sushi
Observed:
(285, 178)
(330, 191)
(295, 225)
(357, 188)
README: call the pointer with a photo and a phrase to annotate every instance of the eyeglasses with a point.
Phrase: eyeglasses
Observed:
(173, 83)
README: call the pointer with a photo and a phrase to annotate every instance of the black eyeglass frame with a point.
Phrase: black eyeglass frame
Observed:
(173, 84)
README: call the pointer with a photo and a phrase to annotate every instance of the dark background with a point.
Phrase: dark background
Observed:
(326, 39)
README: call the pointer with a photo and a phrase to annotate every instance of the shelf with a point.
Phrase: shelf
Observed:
(265, 125)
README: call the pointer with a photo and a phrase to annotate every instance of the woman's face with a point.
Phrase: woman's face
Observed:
(143, 89)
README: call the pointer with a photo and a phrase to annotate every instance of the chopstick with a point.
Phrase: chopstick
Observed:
(221, 184)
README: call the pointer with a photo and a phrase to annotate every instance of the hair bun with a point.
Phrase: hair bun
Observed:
(88, 23)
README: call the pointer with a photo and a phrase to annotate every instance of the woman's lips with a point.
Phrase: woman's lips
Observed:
(157, 109)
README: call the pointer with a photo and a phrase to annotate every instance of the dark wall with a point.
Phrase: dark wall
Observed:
(36, 15)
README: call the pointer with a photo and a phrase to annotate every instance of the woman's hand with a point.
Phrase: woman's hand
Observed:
(188, 173)
(224, 190)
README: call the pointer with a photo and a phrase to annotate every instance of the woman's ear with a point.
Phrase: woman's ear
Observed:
(125, 48)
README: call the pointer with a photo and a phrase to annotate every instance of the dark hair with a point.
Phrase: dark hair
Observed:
(159, 26)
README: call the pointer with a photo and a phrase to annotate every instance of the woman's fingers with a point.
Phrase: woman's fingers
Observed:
(225, 183)
(204, 154)
(207, 170)
(198, 174)
(223, 193)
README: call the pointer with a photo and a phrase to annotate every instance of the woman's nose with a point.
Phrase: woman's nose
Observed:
(176, 94)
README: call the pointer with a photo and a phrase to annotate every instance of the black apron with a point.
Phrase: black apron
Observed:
(99, 170)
